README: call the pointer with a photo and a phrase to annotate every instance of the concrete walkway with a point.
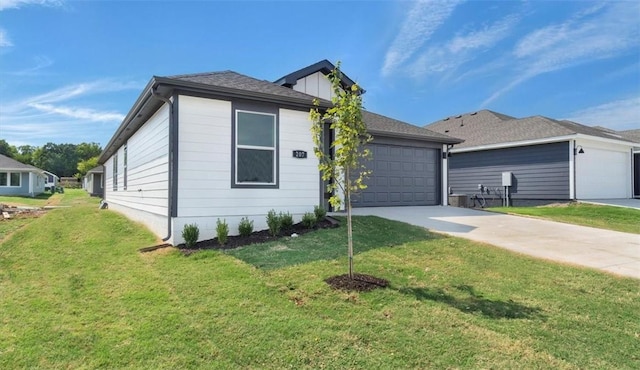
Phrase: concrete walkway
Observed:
(625, 203)
(610, 251)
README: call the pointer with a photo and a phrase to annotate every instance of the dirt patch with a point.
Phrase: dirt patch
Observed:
(257, 237)
(359, 283)
(8, 212)
(557, 205)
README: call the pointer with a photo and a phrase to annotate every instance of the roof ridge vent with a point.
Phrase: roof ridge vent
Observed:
(473, 114)
(446, 119)
(459, 116)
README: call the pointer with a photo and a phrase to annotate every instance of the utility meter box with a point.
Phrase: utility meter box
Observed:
(506, 179)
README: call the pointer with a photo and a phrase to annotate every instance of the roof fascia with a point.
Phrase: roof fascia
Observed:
(415, 137)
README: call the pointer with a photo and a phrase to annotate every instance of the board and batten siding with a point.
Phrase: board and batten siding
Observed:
(204, 170)
(539, 171)
(316, 84)
(146, 196)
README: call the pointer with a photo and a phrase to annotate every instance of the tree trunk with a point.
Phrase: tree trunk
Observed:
(349, 224)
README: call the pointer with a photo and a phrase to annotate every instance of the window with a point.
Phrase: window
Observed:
(115, 172)
(125, 167)
(255, 149)
(10, 179)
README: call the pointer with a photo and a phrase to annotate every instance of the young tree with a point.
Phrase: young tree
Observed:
(346, 170)
(86, 165)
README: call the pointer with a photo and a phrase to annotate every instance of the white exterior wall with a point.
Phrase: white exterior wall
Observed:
(204, 170)
(146, 197)
(316, 84)
(603, 171)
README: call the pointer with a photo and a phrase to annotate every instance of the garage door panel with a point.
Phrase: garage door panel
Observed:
(402, 176)
(602, 174)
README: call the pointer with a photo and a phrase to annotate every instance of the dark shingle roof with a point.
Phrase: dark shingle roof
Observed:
(234, 80)
(7, 163)
(379, 124)
(487, 128)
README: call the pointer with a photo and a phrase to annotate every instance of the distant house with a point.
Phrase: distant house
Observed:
(17, 178)
(51, 182)
(543, 158)
(198, 147)
(93, 181)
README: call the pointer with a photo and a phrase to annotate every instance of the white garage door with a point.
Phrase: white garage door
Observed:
(602, 174)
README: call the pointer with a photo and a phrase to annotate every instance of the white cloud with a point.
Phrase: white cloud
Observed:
(61, 114)
(600, 32)
(448, 56)
(79, 113)
(41, 63)
(618, 115)
(421, 22)
(4, 39)
(15, 4)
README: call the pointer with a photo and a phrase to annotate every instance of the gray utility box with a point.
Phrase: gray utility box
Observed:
(458, 200)
(506, 179)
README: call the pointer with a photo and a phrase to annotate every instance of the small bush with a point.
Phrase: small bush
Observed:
(286, 221)
(245, 228)
(222, 231)
(190, 234)
(309, 220)
(273, 221)
(320, 213)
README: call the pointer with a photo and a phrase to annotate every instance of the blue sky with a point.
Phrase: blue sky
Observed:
(70, 71)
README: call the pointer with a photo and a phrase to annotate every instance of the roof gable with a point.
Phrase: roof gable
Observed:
(324, 66)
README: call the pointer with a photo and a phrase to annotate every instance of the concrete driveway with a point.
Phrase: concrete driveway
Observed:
(610, 251)
(625, 203)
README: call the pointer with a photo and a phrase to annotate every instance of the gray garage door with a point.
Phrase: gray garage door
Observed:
(402, 176)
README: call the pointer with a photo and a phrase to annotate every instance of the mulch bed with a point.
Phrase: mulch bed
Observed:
(257, 237)
(359, 283)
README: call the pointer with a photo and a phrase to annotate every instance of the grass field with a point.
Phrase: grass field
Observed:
(77, 294)
(603, 217)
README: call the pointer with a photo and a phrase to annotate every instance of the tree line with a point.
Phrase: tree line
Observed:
(64, 160)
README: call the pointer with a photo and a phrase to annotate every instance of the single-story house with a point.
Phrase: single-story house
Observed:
(93, 183)
(542, 159)
(51, 182)
(198, 147)
(17, 178)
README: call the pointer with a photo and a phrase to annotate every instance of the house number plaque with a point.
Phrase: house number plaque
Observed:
(299, 154)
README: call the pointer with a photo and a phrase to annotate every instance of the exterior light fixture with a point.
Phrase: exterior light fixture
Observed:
(578, 150)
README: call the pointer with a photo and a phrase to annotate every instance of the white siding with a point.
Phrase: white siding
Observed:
(146, 196)
(204, 190)
(603, 171)
(316, 84)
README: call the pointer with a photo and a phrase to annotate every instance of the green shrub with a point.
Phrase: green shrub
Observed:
(222, 230)
(273, 221)
(309, 220)
(320, 213)
(286, 221)
(245, 228)
(190, 234)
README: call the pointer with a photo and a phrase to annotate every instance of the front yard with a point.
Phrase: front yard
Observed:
(76, 293)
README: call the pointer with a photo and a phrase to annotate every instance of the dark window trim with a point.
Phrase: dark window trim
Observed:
(124, 182)
(115, 172)
(258, 108)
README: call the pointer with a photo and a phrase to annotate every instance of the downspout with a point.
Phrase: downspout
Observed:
(170, 171)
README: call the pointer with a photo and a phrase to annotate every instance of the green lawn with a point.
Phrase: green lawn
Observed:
(89, 300)
(603, 217)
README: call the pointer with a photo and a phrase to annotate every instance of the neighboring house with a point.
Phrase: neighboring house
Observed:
(17, 178)
(221, 145)
(634, 135)
(51, 181)
(548, 159)
(93, 181)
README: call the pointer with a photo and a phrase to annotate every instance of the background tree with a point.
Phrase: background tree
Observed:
(86, 165)
(25, 154)
(346, 170)
(7, 149)
(88, 150)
